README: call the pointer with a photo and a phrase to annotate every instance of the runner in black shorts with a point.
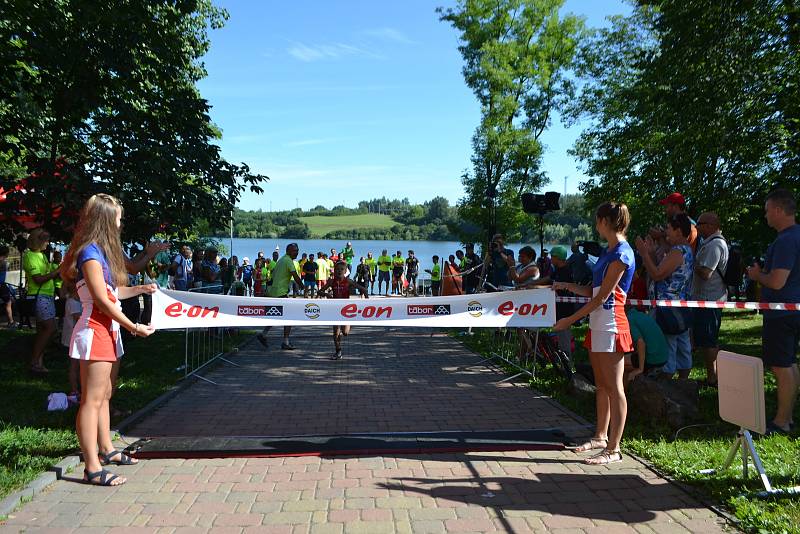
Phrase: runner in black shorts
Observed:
(412, 271)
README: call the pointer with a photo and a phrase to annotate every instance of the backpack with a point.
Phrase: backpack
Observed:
(733, 270)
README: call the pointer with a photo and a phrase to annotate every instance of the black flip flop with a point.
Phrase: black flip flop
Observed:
(105, 459)
(106, 478)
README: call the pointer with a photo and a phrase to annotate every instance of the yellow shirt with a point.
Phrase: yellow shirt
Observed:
(387, 260)
(35, 263)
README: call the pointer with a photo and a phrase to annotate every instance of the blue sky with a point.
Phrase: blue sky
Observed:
(344, 101)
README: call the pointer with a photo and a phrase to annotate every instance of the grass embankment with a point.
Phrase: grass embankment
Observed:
(702, 447)
(320, 225)
(33, 439)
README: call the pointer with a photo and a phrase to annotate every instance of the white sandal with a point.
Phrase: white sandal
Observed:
(604, 458)
(591, 445)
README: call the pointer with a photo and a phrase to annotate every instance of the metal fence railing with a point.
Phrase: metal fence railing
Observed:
(203, 347)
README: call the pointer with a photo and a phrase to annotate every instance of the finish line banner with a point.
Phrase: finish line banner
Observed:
(527, 308)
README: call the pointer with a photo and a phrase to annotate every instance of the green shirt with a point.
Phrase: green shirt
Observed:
(436, 273)
(57, 281)
(35, 264)
(162, 277)
(372, 264)
(387, 260)
(645, 327)
(281, 277)
(348, 254)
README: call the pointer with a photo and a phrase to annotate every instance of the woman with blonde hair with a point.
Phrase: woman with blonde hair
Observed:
(609, 336)
(40, 277)
(95, 267)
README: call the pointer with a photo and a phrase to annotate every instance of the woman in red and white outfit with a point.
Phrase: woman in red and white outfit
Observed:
(609, 335)
(95, 266)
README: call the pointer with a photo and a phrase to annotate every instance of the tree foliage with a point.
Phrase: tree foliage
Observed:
(108, 89)
(434, 220)
(696, 96)
(517, 54)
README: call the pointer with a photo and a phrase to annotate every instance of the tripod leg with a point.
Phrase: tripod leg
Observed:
(748, 439)
(732, 452)
(744, 456)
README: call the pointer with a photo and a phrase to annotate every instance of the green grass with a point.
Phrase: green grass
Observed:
(33, 439)
(696, 448)
(321, 225)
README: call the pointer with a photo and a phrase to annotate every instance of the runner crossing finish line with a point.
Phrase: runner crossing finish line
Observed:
(532, 308)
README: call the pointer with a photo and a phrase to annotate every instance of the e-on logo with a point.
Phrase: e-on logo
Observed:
(312, 311)
(475, 308)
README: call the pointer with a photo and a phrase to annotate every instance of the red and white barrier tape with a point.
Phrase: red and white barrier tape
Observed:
(788, 306)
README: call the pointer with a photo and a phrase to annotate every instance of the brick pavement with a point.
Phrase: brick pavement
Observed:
(397, 381)
(530, 491)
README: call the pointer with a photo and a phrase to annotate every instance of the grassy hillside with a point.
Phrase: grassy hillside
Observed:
(321, 225)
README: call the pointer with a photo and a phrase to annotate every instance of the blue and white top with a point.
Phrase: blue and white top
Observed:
(93, 252)
(184, 270)
(678, 285)
(610, 317)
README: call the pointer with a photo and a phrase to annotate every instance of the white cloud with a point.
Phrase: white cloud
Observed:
(389, 34)
(311, 142)
(309, 53)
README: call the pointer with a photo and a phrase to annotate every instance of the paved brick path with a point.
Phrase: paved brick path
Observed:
(395, 379)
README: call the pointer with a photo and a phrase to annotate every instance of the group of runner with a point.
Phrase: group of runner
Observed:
(395, 274)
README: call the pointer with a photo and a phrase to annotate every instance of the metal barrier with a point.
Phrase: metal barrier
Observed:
(517, 352)
(203, 347)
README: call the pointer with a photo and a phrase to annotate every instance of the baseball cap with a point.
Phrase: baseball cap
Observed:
(674, 198)
(559, 252)
(245, 260)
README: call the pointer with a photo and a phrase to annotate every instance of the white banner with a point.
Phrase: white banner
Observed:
(527, 308)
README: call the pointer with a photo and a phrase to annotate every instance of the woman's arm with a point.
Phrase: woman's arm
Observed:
(43, 278)
(582, 291)
(96, 284)
(664, 269)
(613, 275)
(529, 272)
(134, 291)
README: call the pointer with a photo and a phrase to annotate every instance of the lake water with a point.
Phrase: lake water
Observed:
(424, 250)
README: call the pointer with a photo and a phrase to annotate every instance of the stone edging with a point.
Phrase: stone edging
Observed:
(12, 501)
(39, 484)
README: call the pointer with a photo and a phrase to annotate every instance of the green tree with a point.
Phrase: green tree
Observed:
(685, 95)
(100, 95)
(517, 54)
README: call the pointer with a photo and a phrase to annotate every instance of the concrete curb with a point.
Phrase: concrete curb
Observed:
(38, 485)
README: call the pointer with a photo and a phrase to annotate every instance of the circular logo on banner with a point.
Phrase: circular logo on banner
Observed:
(312, 311)
(475, 308)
